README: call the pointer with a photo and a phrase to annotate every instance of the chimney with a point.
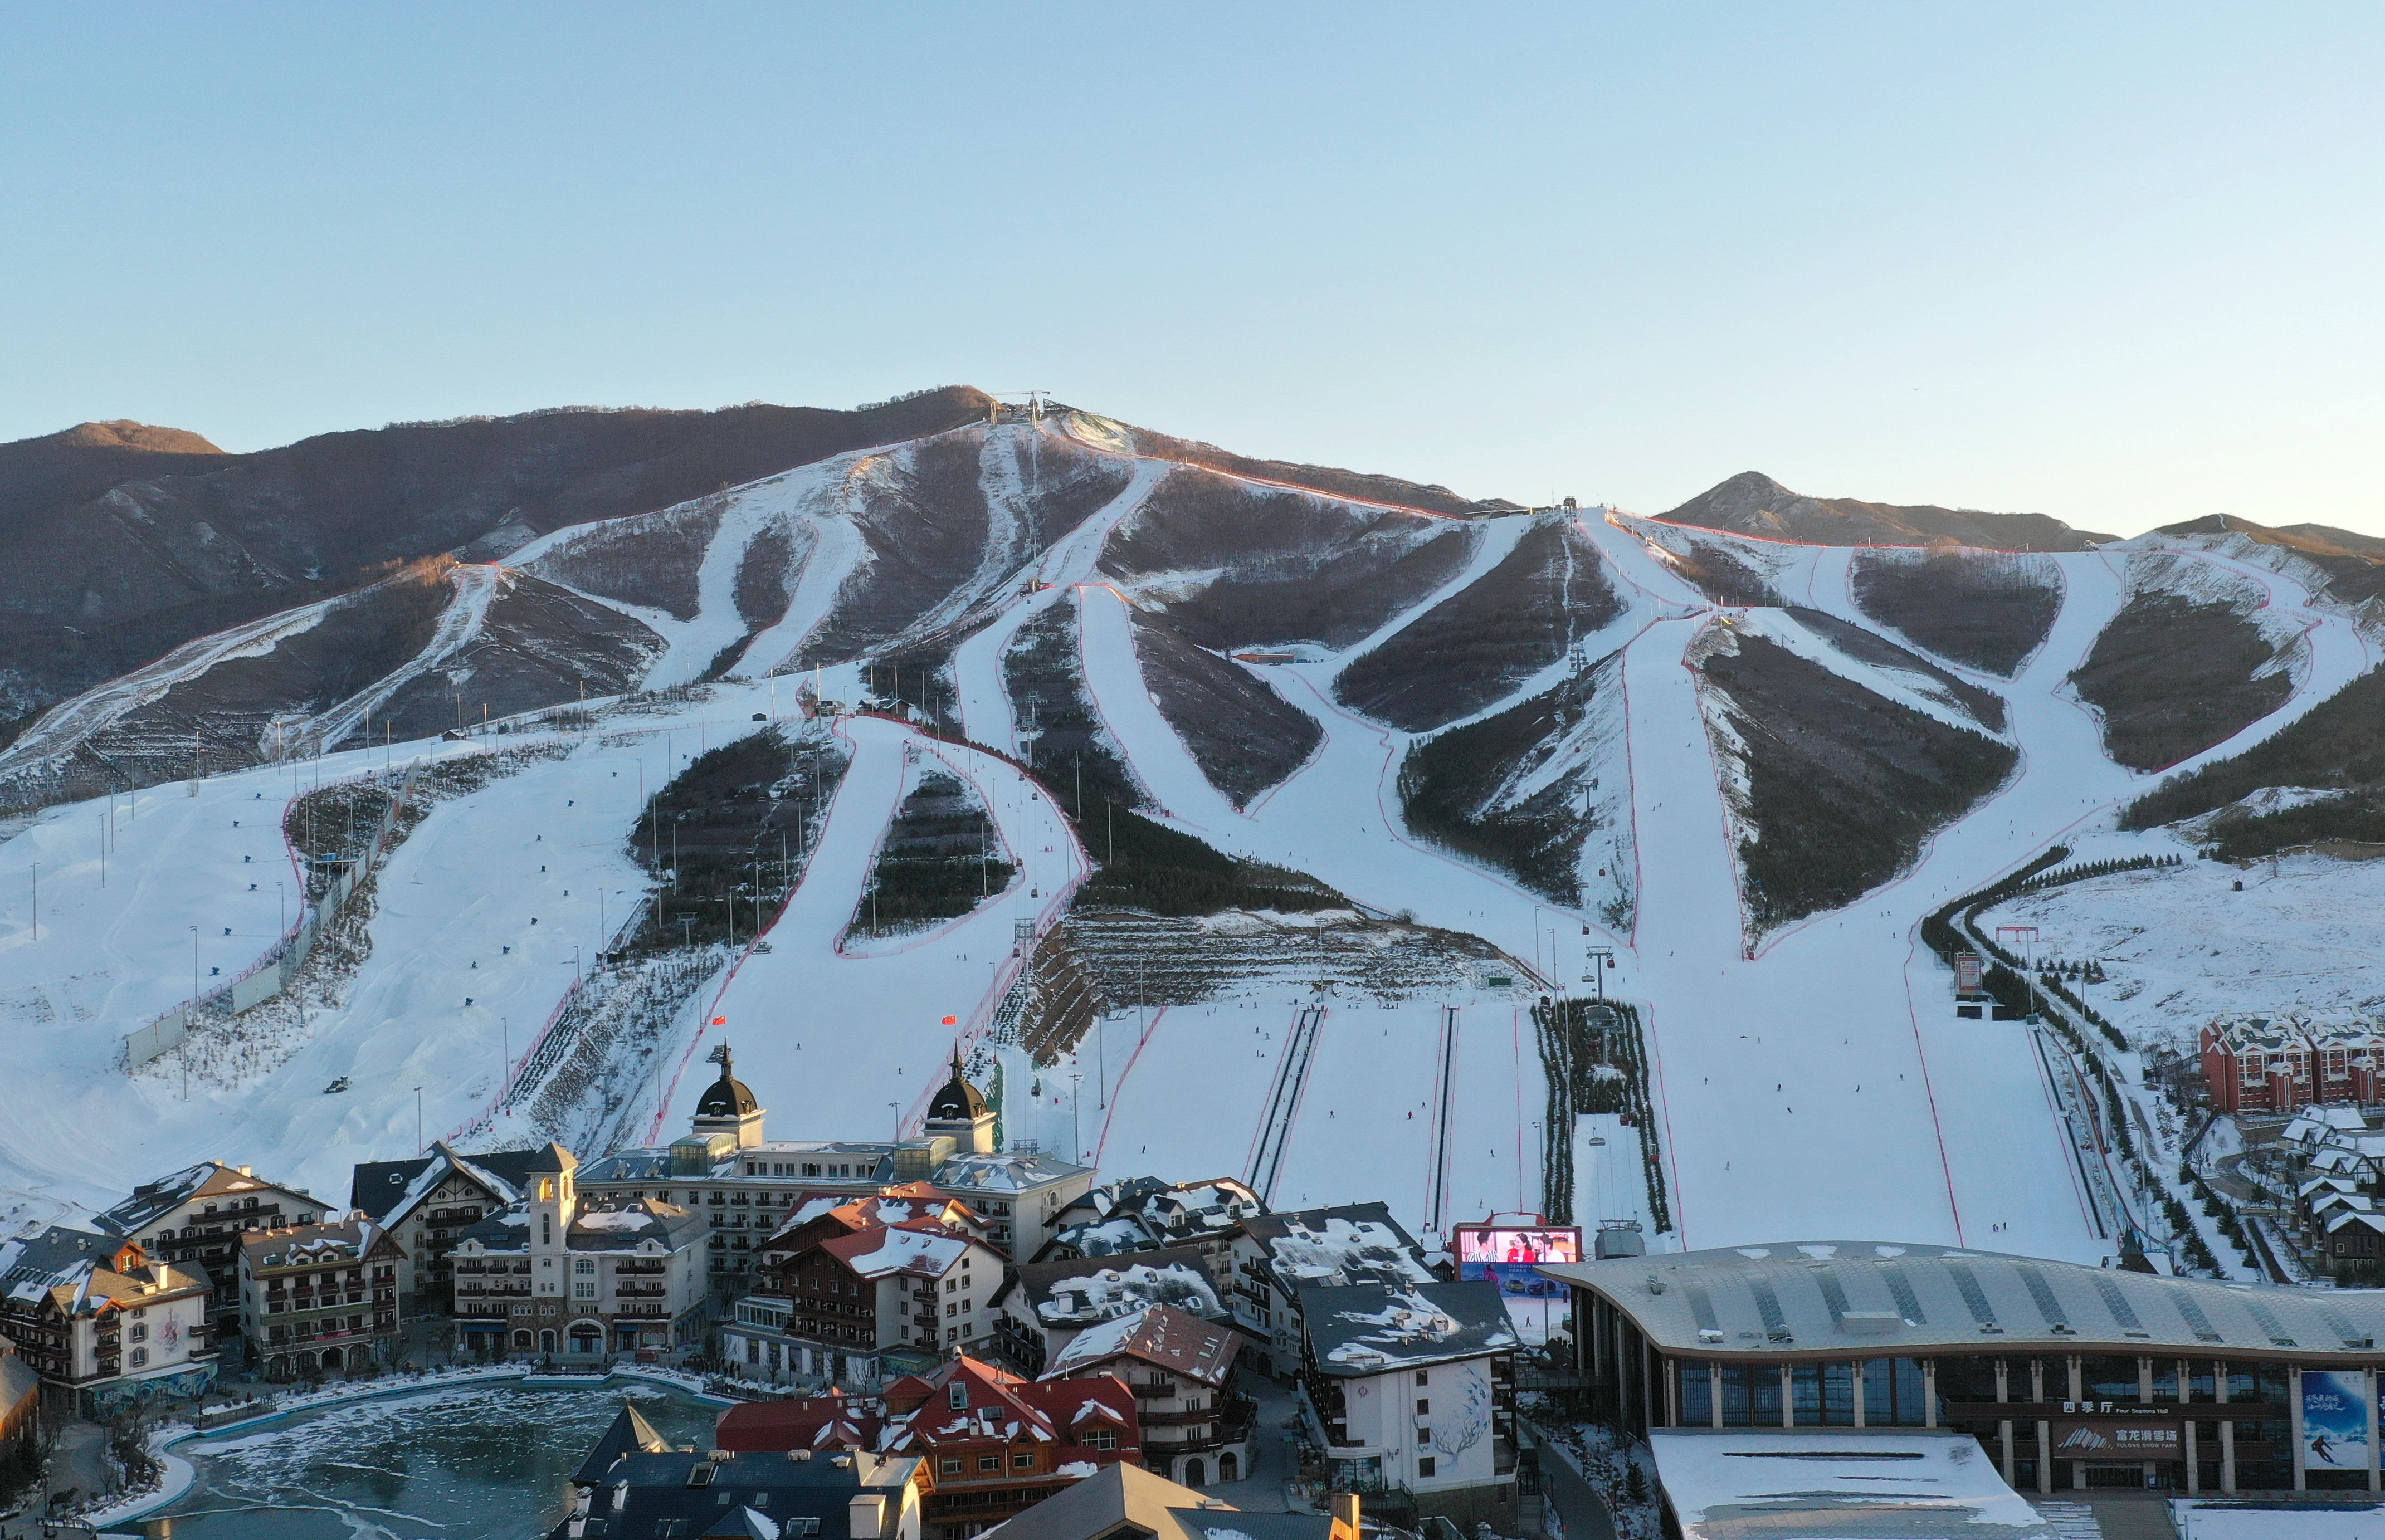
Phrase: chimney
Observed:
(1345, 1516)
(865, 1516)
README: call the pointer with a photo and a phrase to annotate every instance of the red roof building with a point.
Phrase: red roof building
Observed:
(993, 1445)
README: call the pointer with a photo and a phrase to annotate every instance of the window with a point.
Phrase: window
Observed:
(988, 1462)
(140, 1356)
(1025, 1461)
(583, 1291)
(584, 1265)
(950, 1466)
(1100, 1438)
(1892, 1396)
(1424, 1465)
(959, 1396)
(1823, 1395)
(1424, 1376)
(1424, 1407)
(1697, 1394)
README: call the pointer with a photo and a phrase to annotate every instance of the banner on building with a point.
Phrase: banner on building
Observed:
(1966, 972)
(2335, 1421)
(2130, 1439)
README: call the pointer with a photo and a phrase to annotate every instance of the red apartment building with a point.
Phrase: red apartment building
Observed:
(2284, 1064)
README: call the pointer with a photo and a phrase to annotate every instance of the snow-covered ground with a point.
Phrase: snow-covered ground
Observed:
(2180, 945)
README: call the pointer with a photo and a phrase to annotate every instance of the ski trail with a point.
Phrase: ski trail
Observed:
(459, 625)
(812, 1020)
(1124, 704)
(977, 663)
(1490, 550)
(73, 720)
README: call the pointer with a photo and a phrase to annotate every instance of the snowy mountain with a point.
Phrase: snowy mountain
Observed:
(1170, 754)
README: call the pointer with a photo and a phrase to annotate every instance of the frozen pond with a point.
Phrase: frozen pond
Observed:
(465, 1462)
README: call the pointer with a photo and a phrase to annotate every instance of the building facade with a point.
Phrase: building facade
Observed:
(562, 1276)
(1181, 1369)
(104, 1324)
(196, 1217)
(2282, 1064)
(2069, 1377)
(746, 1185)
(428, 1203)
(1409, 1394)
(321, 1298)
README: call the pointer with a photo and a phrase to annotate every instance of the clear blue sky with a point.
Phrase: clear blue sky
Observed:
(2118, 264)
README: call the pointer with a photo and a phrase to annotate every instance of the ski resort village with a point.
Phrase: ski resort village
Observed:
(884, 974)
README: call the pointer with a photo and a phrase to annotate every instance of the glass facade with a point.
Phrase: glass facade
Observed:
(2111, 1378)
(1697, 1394)
(1894, 1393)
(1822, 1394)
(1961, 1392)
(2256, 1382)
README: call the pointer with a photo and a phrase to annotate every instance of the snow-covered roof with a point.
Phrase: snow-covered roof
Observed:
(1009, 1172)
(1093, 1293)
(1366, 1329)
(1812, 1483)
(152, 1201)
(1820, 1298)
(340, 1240)
(633, 1224)
(1184, 1345)
(1356, 1243)
(877, 1253)
(76, 1270)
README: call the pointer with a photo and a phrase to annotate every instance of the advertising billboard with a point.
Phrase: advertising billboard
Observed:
(2335, 1421)
(1511, 1256)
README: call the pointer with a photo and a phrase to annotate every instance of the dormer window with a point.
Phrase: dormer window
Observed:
(959, 1396)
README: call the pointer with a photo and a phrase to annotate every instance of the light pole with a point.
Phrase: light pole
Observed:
(418, 1120)
(1075, 1128)
(898, 1120)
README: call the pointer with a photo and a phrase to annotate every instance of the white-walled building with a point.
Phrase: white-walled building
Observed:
(1413, 1389)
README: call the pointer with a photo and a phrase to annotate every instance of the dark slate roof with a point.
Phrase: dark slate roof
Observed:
(1365, 1329)
(1209, 1524)
(631, 1432)
(959, 1102)
(379, 1187)
(551, 1159)
(728, 1096)
(1356, 1243)
(658, 1489)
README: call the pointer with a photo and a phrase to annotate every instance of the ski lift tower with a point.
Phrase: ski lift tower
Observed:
(1600, 958)
(2024, 938)
(1020, 405)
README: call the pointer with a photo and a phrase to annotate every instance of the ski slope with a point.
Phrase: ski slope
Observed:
(1808, 1081)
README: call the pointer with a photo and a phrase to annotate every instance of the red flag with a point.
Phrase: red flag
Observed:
(951, 1020)
(720, 1021)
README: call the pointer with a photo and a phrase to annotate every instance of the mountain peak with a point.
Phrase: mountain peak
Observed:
(1753, 504)
(125, 433)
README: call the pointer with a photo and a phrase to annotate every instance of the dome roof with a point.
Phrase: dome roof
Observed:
(728, 1096)
(959, 1102)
